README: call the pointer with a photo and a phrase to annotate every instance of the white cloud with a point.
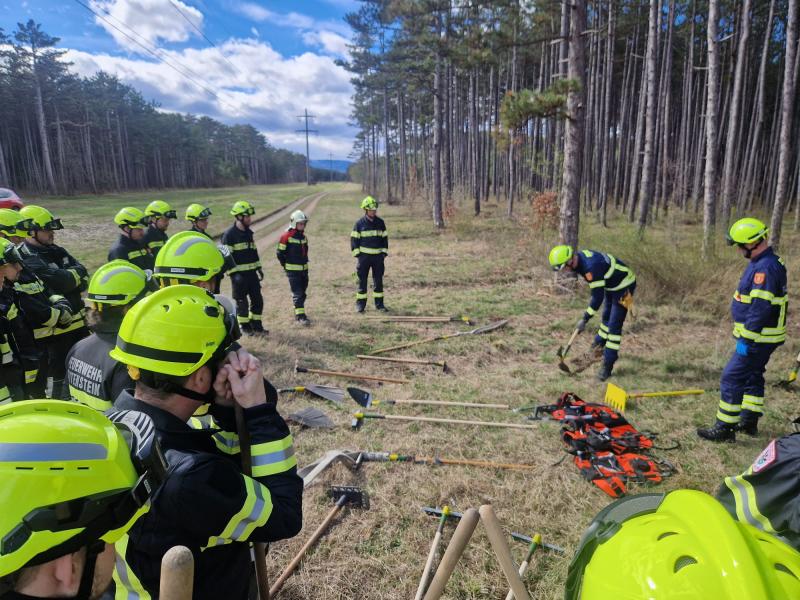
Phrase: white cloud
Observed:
(331, 42)
(153, 21)
(255, 32)
(266, 90)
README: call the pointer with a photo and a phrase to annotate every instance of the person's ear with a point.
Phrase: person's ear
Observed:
(200, 380)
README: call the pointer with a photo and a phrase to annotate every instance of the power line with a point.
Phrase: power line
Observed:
(205, 37)
(152, 53)
(307, 116)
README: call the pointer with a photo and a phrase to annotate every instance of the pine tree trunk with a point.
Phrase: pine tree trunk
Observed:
(438, 215)
(712, 102)
(47, 161)
(569, 218)
(787, 113)
(646, 186)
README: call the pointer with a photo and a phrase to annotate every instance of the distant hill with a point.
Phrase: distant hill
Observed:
(340, 166)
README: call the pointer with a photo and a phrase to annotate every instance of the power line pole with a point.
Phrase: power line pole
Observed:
(306, 117)
(330, 164)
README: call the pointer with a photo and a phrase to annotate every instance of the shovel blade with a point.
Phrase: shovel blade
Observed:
(334, 394)
(564, 366)
(362, 397)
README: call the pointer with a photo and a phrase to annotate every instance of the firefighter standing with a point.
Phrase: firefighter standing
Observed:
(19, 356)
(159, 213)
(198, 215)
(369, 243)
(74, 484)
(94, 378)
(130, 245)
(247, 275)
(610, 281)
(176, 340)
(759, 326)
(293, 255)
(63, 275)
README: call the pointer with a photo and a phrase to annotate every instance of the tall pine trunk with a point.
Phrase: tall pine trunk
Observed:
(712, 102)
(646, 187)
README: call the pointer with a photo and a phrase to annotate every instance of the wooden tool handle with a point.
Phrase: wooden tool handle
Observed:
(523, 567)
(290, 568)
(410, 361)
(675, 393)
(502, 551)
(446, 403)
(459, 541)
(571, 340)
(177, 574)
(426, 571)
(409, 344)
(458, 421)
(353, 376)
(471, 463)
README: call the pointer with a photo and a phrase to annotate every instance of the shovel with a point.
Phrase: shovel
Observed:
(617, 398)
(334, 394)
(562, 352)
(311, 417)
(476, 331)
(365, 399)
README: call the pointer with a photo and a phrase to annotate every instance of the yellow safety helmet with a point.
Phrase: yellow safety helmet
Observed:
(9, 253)
(680, 545)
(117, 283)
(159, 208)
(242, 208)
(191, 256)
(369, 203)
(195, 212)
(39, 218)
(560, 256)
(174, 331)
(70, 477)
(746, 231)
(130, 217)
(12, 223)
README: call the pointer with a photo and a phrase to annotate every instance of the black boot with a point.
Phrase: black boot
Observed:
(381, 307)
(604, 372)
(256, 328)
(720, 432)
(302, 320)
(360, 306)
(748, 423)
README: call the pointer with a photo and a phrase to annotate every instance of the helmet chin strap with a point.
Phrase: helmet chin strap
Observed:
(89, 567)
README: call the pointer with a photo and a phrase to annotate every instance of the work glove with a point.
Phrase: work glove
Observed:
(260, 274)
(581, 324)
(742, 347)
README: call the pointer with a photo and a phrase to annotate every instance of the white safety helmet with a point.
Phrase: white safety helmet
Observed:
(296, 217)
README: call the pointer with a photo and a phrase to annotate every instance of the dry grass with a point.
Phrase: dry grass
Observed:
(487, 268)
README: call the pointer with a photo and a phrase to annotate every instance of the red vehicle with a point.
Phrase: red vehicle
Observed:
(9, 199)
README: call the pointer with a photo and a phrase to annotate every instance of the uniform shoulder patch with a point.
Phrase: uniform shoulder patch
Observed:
(589, 276)
(759, 278)
(767, 458)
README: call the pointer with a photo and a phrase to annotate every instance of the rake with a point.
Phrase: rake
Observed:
(476, 331)
(617, 398)
(365, 399)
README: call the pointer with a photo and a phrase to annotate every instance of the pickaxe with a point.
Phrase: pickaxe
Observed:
(343, 495)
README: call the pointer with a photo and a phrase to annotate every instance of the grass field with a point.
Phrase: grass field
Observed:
(490, 268)
(487, 268)
(89, 228)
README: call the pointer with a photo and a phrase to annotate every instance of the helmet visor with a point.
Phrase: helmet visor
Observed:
(170, 214)
(204, 214)
(11, 255)
(53, 225)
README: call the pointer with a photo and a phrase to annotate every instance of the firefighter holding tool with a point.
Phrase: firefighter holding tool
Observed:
(611, 282)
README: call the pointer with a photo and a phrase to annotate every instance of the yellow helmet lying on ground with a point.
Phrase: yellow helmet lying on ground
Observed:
(680, 545)
(242, 209)
(174, 331)
(130, 217)
(190, 256)
(159, 208)
(13, 223)
(117, 283)
(71, 477)
(37, 217)
(196, 212)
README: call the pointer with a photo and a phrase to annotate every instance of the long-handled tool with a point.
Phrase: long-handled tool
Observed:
(476, 331)
(365, 399)
(501, 550)
(344, 495)
(358, 421)
(177, 574)
(617, 398)
(466, 527)
(334, 394)
(435, 460)
(426, 571)
(343, 375)
(562, 352)
(420, 319)
(437, 512)
(313, 470)
(523, 567)
(405, 361)
(311, 417)
(792, 377)
(259, 548)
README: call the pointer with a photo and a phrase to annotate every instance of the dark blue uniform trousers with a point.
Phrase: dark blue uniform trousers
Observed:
(742, 384)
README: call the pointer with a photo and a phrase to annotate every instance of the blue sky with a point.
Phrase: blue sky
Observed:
(272, 59)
